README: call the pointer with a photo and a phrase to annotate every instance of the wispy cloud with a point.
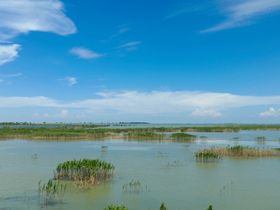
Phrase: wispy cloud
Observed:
(85, 53)
(121, 29)
(7, 78)
(71, 81)
(241, 13)
(8, 53)
(188, 8)
(24, 16)
(130, 46)
(271, 112)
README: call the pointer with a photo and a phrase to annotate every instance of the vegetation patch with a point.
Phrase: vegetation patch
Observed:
(51, 192)
(238, 152)
(183, 137)
(84, 172)
(114, 207)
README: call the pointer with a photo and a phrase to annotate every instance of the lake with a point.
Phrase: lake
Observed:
(167, 171)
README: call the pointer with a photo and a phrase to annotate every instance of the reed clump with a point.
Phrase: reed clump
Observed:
(144, 135)
(207, 156)
(182, 137)
(51, 192)
(114, 207)
(85, 172)
(239, 152)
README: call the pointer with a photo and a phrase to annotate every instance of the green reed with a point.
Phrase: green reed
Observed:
(85, 171)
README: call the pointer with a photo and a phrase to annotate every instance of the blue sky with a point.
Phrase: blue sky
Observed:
(174, 61)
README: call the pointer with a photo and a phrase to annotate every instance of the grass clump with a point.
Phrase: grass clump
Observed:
(144, 135)
(51, 192)
(85, 171)
(182, 137)
(239, 152)
(114, 207)
(207, 156)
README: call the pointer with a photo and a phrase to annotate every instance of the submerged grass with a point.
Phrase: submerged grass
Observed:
(238, 152)
(84, 172)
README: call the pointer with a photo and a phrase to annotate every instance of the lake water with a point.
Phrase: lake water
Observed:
(167, 171)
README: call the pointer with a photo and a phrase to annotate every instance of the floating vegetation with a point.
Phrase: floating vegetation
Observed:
(84, 172)
(238, 151)
(134, 186)
(51, 193)
(113, 207)
(182, 137)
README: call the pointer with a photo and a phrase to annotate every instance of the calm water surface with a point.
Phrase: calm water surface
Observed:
(167, 171)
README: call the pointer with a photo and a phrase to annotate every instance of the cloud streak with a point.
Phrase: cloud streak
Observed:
(85, 53)
(241, 13)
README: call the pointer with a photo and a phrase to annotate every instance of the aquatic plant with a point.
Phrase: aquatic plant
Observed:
(114, 207)
(207, 156)
(239, 152)
(162, 207)
(210, 207)
(85, 171)
(182, 137)
(51, 192)
(134, 186)
(144, 135)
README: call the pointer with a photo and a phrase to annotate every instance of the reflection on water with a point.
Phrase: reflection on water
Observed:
(161, 172)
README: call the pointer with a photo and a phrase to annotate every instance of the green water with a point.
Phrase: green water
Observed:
(167, 171)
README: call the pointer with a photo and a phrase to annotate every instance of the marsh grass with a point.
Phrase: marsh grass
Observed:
(207, 156)
(182, 137)
(238, 152)
(144, 135)
(84, 172)
(51, 192)
(114, 207)
(134, 186)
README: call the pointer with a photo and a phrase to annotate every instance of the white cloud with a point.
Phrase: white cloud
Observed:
(23, 16)
(240, 13)
(198, 104)
(130, 46)
(271, 112)
(85, 53)
(71, 81)
(8, 53)
(206, 113)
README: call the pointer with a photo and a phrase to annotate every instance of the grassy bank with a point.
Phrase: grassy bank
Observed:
(92, 132)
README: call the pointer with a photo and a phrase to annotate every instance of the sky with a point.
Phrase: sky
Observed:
(172, 61)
